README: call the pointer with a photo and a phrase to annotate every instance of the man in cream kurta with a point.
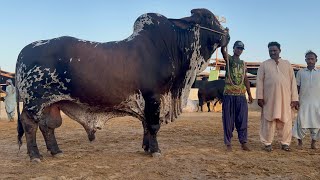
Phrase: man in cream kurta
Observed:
(308, 119)
(276, 94)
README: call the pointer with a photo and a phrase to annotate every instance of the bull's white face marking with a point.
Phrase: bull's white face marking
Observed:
(40, 43)
(139, 25)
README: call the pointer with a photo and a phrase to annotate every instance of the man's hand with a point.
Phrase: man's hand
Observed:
(250, 99)
(226, 30)
(260, 102)
(295, 104)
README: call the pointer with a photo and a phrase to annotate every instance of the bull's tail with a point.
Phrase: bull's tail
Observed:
(19, 125)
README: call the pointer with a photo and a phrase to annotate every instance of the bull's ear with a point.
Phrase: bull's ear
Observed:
(181, 23)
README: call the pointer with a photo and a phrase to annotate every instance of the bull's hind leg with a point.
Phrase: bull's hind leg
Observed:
(152, 122)
(30, 127)
(52, 120)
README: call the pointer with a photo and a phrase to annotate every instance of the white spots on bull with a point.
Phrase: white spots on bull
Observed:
(70, 59)
(92, 119)
(39, 74)
(53, 98)
(81, 40)
(40, 43)
(191, 73)
(65, 72)
(68, 80)
(29, 79)
(159, 15)
(55, 79)
(91, 42)
(32, 108)
(133, 104)
(139, 25)
(166, 108)
(22, 83)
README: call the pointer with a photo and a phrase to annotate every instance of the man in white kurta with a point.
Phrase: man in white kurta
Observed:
(276, 94)
(10, 100)
(308, 82)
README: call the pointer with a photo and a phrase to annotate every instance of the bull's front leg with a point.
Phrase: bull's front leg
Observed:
(30, 127)
(146, 137)
(152, 124)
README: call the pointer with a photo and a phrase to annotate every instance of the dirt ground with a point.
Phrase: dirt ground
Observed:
(192, 148)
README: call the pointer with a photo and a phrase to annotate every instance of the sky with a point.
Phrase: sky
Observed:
(295, 24)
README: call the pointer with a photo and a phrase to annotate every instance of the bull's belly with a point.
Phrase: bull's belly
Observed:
(94, 118)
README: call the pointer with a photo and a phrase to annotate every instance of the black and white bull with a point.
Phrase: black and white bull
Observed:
(148, 76)
(210, 91)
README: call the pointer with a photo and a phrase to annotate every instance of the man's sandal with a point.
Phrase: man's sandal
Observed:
(268, 148)
(285, 147)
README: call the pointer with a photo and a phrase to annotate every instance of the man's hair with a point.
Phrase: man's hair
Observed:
(274, 43)
(309, 52)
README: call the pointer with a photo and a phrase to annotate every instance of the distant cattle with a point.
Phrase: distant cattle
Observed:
(147, 76)
(210, 91)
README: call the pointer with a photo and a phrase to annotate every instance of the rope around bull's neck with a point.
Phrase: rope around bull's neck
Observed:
(208, 29)
(228, 64)
(230, 77)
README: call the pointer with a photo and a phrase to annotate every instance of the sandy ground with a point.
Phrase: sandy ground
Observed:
(192, 148)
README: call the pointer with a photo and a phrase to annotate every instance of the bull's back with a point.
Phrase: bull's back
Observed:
(91, 72)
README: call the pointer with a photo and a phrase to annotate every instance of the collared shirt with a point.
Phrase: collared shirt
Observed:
(308, 76)
(276, 85)
(309, 97)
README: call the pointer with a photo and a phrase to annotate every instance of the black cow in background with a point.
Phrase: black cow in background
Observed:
(210, 91)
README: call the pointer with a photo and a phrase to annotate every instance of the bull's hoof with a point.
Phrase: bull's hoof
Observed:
(146, 148)
(58, 155)
(35, 160)
(156, 154)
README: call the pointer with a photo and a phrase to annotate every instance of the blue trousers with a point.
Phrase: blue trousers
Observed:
(235, 113)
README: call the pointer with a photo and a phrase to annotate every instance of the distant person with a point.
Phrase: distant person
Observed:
(234, 106)
(10, 99)
(308, 119)
(276, 94)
